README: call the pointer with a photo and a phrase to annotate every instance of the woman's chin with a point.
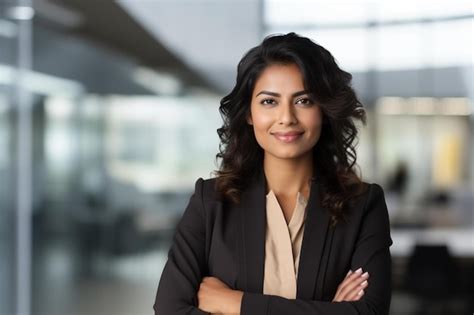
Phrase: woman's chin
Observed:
(289, 155)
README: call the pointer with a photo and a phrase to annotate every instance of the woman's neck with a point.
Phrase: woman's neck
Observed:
(287, 177)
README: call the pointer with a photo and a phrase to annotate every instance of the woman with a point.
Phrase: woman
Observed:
(287, 226)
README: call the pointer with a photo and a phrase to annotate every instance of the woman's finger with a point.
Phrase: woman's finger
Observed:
(351, 276)
(357, 292)
(353, 284)
(343, 284)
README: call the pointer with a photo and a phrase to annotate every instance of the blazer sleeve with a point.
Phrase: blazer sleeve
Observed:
(185, 266)
(371, 253)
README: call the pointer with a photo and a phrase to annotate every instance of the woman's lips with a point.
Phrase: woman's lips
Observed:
(288, 137)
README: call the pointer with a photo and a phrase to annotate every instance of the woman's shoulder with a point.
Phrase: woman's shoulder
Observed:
(373, 190)
(374, 214)
(370, 194)
(371, 203)
(366, 189)
(206, 187)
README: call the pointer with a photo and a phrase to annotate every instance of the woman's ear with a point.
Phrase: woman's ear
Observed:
(249, 119)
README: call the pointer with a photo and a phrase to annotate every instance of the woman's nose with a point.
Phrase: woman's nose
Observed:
(286, 114)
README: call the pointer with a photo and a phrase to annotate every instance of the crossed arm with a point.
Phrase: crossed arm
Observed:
(215, 297)
(184, 289)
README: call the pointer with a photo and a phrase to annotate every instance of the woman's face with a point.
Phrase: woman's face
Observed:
(286, 121)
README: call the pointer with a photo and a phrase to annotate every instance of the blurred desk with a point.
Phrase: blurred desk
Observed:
(460, 241)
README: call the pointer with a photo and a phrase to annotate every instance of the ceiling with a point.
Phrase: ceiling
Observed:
(108, 24)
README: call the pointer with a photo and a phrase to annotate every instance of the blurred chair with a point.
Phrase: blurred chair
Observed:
(433, 277)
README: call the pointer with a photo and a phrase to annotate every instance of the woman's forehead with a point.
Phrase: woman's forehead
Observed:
(280, 79)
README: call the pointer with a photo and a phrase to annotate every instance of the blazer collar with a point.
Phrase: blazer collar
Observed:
(253, 219)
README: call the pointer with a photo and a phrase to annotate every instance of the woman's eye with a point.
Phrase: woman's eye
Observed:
(267, 101)
(305, 101)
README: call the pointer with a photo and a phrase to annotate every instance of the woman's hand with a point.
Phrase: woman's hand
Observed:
(352, 287)
(214, 296)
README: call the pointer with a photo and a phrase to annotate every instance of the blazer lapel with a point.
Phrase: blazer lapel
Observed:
(314, 238)
(253, 225)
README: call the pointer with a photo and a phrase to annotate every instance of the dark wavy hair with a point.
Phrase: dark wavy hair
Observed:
(334, 154)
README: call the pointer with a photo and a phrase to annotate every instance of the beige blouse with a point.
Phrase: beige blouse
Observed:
(282, 247)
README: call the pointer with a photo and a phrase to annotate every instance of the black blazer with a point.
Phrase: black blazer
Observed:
(227, 241)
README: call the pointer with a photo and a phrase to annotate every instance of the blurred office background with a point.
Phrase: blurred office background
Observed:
(109, 111)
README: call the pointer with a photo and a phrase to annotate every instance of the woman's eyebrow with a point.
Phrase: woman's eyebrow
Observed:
(278, 94)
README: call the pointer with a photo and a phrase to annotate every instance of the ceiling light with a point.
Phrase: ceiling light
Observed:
(20, 13)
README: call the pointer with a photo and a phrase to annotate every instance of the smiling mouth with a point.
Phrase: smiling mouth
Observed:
(288, 138)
